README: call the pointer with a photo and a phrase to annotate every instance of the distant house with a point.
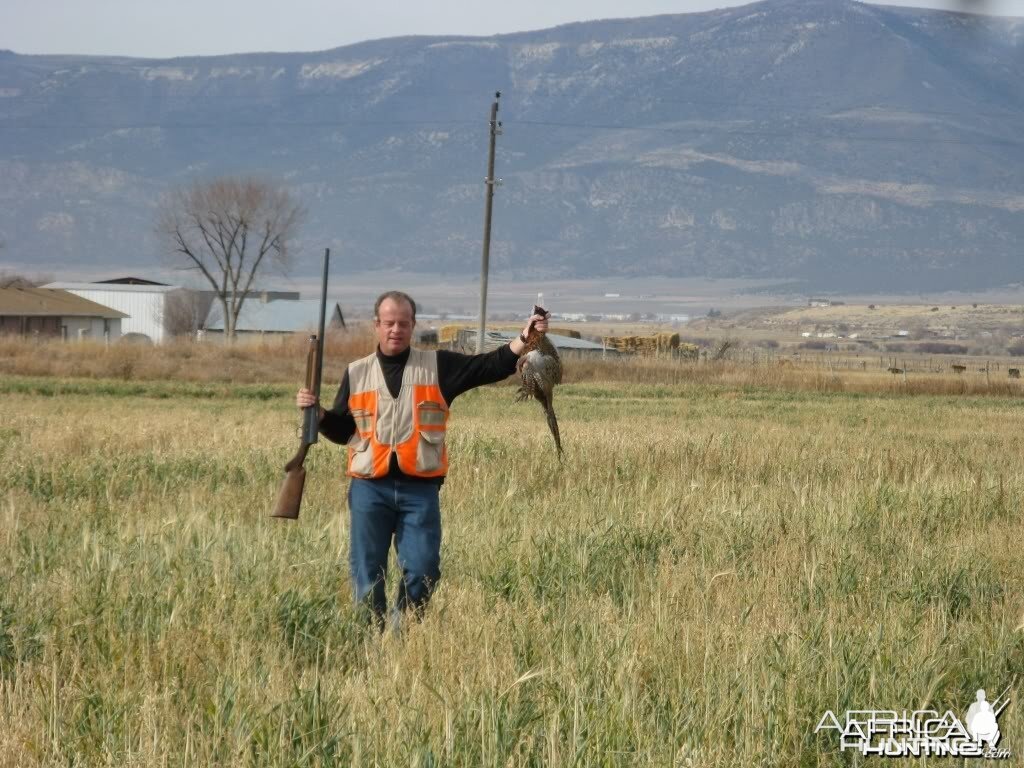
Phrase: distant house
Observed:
(45, 312)
(819, 302)
(145, 302)
(261, 318)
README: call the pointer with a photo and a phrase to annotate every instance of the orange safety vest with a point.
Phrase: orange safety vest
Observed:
(411, 425)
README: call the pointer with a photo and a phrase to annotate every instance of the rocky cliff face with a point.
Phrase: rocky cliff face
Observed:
(848, 145)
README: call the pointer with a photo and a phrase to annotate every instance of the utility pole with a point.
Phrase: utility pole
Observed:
(490, 183)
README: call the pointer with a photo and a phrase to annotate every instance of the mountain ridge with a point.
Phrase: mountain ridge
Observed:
(828, 141)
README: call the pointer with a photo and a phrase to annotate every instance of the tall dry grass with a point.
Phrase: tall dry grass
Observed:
(784, 376)
(275, 359)
(282, 361)
(710, 569)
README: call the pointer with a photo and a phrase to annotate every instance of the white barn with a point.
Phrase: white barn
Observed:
(143, 301)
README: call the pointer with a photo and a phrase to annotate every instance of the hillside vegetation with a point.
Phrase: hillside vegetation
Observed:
(828, 142)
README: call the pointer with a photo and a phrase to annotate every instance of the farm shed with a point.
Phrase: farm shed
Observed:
(57, 314)
(146, 302)
(259, 318)
(141, 301)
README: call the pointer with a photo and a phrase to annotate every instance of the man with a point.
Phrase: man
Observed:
(392, 412)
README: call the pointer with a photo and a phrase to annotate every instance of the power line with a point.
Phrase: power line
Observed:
(814, 109)
(242, 124)
(819, 109)
(453, 123)
(799, 133)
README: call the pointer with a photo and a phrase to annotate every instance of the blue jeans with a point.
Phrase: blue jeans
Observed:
(411, 512)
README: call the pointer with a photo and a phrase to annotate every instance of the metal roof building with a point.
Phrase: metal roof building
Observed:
(282, 316)
(466, 342)
(49, 312)
(142, 305)
(145, 302)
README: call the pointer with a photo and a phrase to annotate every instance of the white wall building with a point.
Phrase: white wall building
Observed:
(78, 328)
(145, 302)
(142, 300)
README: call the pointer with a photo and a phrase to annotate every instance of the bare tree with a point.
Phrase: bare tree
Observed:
(16, 280)
(722, 349)
(184, 311)
(229, 230)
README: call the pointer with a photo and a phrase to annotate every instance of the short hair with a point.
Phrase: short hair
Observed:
(394, 296)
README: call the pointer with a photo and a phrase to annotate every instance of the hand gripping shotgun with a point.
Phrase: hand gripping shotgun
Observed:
(289, 499)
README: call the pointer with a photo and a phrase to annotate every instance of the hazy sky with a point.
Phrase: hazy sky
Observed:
(163, 28)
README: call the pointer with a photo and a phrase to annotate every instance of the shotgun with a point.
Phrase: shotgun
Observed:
(289, 498)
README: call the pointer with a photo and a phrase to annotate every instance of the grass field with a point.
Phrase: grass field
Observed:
(716, 564)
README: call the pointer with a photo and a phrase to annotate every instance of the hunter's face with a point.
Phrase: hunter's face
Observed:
(394, 326)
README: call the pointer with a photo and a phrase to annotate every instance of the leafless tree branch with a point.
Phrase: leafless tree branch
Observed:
(229, 230)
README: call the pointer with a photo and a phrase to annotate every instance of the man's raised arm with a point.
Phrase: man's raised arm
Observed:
(460, 373)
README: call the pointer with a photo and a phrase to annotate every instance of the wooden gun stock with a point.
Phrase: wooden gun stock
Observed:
(289, 498)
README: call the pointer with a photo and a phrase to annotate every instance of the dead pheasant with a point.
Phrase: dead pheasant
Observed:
(541, 370)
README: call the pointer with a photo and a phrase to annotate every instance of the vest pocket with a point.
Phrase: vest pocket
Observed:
(363, 420)
(431, 414)
(360, 458)
(429, 451)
